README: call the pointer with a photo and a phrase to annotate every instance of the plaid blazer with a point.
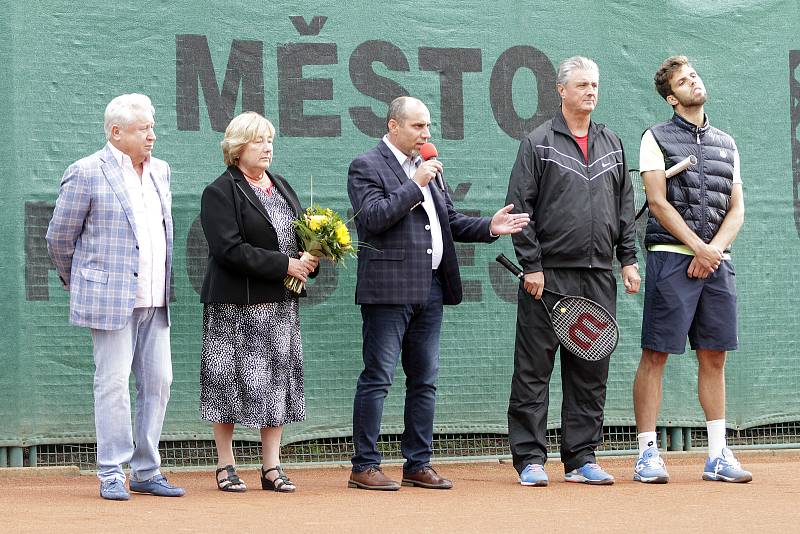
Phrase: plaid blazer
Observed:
(395, 266)
(92, 239)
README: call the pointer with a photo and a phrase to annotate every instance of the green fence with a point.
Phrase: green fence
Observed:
(323, 73)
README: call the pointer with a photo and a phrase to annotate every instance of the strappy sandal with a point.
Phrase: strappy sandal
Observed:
(228, 483)
(281, 484)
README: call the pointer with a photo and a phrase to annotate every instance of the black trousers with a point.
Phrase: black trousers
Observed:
(583, 382)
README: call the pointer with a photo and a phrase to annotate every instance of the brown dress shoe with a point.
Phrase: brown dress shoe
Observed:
(426, 478)
(372, 479)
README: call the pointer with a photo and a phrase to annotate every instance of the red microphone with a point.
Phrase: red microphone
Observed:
(428, 151)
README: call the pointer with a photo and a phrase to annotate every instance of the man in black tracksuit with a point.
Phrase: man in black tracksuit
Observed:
(571, 177)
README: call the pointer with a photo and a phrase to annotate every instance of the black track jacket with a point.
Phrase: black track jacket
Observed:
(579, 212)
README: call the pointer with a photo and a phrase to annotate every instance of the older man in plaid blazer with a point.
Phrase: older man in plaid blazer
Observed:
(405, 275)
(110, 239)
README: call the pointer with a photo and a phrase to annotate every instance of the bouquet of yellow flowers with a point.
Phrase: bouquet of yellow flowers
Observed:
(322, 233)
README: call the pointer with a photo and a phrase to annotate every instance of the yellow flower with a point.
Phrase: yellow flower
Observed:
(342, 235)
(315, 222)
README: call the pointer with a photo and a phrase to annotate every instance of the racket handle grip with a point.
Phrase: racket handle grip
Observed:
(508, 264)
(681, 166)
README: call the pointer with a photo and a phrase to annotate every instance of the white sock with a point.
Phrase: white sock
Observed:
(646, 440)
(716, 437)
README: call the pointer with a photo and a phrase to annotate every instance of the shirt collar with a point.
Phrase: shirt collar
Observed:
(401, 158)
(123, 159)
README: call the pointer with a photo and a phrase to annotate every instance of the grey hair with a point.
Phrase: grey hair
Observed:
(397, 109)
(122, 110)
(566, 68)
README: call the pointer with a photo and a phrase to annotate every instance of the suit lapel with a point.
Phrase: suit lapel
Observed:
(241, 183)
(392, 162)
(113, 174)
(438, 201)
(160, 183)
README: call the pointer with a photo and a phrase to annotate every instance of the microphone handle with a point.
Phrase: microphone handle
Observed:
(439, 179)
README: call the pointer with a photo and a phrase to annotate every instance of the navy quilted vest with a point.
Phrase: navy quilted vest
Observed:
(701, 194)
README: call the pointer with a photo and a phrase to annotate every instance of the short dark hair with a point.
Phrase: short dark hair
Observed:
(665, 72)
(397, 110)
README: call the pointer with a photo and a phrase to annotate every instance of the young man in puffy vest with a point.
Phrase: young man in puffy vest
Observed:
(690, 287)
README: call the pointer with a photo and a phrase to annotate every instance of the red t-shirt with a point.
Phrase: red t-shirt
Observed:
(583, 142)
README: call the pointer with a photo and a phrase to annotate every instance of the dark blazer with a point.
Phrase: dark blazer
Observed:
(244, 264)
(395, 266)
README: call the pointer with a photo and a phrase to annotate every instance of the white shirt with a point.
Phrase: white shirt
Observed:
(152, 240)
(652, 159)
(409, 166)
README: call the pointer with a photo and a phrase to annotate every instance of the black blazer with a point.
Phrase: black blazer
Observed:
(244, 264)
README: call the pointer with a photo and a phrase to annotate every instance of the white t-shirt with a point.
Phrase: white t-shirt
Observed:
(652, 159)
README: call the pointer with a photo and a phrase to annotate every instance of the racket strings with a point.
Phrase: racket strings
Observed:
(584, 328)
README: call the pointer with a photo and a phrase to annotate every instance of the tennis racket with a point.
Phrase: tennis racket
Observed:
(640, 204)
(639, 195)
(581, 325)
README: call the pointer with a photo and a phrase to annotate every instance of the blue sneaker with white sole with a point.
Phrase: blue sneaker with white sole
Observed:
(589, 474)
(725, 468)
(650, 468)
(533, 475)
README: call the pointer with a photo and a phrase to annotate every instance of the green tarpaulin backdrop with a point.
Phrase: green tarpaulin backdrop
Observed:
(323, 73)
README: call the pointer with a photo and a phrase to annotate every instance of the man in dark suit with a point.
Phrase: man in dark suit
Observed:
(405, 276)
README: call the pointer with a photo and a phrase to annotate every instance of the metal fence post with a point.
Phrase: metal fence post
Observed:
(663, 437)
(687, 439)
(676, 438)
(15, 456)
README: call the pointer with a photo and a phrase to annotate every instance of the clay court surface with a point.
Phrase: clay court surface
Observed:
(486, 498)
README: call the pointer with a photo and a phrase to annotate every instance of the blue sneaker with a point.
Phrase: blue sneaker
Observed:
(650, 468)
(114, 490)
(726, 468)
(533, 475)
(589, 474)
(158, 486)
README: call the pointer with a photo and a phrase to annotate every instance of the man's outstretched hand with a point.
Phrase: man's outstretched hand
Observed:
(504, 222)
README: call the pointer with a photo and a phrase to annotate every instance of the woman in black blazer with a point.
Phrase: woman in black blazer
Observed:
(251, 369)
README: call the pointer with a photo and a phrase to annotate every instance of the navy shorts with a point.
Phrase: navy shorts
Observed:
(676, 306)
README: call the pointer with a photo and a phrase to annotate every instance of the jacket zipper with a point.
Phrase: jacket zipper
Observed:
(589, 185)
(701, 176)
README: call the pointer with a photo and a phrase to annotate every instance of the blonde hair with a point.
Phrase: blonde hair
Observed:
(243, 129)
